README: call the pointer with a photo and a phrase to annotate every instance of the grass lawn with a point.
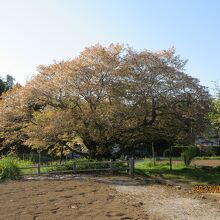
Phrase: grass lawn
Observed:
(196, 158)
(191, 174)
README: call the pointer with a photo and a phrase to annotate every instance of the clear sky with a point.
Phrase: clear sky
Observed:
(36, 32)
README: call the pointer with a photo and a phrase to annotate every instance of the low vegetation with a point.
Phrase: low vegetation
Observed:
(9, 168)
(188, 155)
(180, 172)
(208, 158)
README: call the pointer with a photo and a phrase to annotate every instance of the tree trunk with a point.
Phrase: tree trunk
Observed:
(170, 157)
(61, 154)
(153, 154)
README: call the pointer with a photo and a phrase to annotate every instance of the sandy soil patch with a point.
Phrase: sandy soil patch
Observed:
(63, 199)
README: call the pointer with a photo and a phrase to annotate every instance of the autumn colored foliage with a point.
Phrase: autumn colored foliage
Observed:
(106, 96)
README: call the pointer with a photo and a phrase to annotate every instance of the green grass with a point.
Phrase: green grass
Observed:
(196, 158)
(68, 165)
(11, 166)
(81, 164)
(207, 158)
(190, 174)
(9, 169)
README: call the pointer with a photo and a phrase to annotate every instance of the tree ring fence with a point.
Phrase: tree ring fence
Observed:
(80, 167)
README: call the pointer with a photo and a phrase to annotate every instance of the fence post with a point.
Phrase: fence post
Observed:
(153, 153)
(38, 169)
(111, 166)
(39, 156)
(131, 166)
(74, 167)
(170, 157)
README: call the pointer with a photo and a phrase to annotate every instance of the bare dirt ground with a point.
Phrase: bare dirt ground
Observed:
(212, 163)
(104, 198)
(168, 200)
(63, 199)
(171, 201)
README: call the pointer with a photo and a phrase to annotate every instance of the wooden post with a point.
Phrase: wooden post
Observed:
(38, 169)
(74, 167)
(153, 154)
(39, 162)
(170, 157)
(111, 166)
(39, 157)
(131, 166)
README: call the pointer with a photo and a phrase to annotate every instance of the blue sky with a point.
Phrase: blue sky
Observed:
(35, 32)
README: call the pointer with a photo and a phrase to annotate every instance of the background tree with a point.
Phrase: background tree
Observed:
(6, 84)
(215, 116)
(13, 116)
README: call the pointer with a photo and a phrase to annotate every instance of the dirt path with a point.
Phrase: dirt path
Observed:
(171, 202)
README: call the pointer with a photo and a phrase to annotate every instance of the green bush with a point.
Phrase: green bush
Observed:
(9, 168)
(189, 154)
(178, 150)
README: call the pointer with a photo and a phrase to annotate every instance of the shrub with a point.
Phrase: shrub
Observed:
(178, 150)
(189, 154)
(9, 168)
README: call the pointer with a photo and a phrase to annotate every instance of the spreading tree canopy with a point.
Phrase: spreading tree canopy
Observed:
(107, 96)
